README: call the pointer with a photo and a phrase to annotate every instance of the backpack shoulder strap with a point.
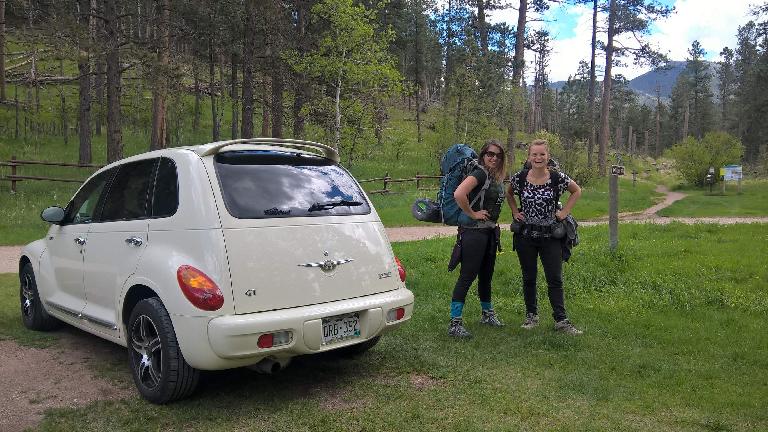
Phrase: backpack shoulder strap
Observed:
(520, 179)
(555, 179)
(481, 193)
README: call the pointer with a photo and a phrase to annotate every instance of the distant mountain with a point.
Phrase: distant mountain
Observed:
(662, 78)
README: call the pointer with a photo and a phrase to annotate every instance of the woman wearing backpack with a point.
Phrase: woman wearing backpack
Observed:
(478, 235)
(539, 190)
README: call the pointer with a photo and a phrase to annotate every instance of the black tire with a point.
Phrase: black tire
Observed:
(159, 370)
(357, 349)
(33, 313)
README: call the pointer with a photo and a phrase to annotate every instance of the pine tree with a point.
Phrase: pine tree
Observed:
(700, 93)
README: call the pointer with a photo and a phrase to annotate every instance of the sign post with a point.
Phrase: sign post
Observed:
(613, 206)
(731, 173)
(710, 178)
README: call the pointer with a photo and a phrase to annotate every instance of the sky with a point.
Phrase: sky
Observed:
(712, 22)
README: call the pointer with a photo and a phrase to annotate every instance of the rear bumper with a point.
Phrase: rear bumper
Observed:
(232, 340)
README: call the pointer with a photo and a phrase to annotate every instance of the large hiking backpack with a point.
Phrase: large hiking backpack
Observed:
(455, 165)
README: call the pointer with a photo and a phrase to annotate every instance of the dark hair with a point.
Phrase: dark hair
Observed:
(501, 171)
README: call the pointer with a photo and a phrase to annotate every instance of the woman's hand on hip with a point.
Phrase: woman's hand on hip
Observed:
(480, 215)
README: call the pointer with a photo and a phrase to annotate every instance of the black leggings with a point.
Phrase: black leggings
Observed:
(551, 253)
(478, 258)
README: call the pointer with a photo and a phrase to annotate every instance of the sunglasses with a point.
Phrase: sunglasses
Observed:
(493, 154)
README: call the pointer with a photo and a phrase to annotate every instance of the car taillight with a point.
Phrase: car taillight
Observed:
(400, 269)
(395, 314)
(199, 289)
(269, 340)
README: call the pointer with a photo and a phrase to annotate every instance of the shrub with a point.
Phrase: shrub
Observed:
(694, 157)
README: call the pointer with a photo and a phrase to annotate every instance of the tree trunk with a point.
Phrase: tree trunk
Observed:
(2, 50)
(98, 84)
(482, 26)
(418, 116)
(114, 74)
(645, 142)
(606, 99)
(64, 116)
(212, 89)
(592, 84)
(234, 96)
(277, 96)
(84, 81)
(302, 88)
(246, 128)
(518, 63)
(160, 87)
(197, 111)
(511, 131)
(686, 117)
(265, 114)
(337, 118)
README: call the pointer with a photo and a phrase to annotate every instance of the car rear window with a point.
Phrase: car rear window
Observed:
(270, 184)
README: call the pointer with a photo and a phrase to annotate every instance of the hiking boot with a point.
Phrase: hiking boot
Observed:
(531, 321)
(566, 327)
(457, 330)
(490, 318)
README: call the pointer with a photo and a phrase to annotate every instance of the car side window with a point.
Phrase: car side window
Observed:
(165, 199)
(129, 192)
(84, 205)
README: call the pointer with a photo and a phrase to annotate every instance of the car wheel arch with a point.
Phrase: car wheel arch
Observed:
(24, 260)
(133, 296)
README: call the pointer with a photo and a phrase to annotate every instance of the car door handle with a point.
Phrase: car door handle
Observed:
(80, 241)
(134, 241)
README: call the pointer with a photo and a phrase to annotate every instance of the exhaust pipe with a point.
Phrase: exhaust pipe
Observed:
(269, 365)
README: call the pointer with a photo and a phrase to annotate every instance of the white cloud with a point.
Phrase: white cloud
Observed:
(712, 22)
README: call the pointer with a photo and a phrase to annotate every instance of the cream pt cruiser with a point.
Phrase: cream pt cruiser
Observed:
(235, 253)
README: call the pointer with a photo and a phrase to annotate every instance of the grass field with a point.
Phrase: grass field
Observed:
(752, 201)
(675, 341)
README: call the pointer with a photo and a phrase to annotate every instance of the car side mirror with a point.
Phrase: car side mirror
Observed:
(53, 215)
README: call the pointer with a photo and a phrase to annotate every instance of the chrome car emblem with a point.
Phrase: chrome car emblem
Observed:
(327, 265)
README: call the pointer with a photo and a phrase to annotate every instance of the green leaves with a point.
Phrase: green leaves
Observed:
(694, 157)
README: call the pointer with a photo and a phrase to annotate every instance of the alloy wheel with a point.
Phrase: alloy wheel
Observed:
(147, 352)
(27, 295)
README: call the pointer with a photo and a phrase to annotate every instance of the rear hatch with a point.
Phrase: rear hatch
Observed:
(289, 266)
(299, 231)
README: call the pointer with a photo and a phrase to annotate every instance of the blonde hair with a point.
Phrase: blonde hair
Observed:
(537, 142)
(501, 169)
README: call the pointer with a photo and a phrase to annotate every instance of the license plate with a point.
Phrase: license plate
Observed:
(341, 327)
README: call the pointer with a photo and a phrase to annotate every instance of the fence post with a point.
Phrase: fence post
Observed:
(13, 174)
(386, 177)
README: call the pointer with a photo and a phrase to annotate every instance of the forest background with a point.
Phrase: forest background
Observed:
(379, 80)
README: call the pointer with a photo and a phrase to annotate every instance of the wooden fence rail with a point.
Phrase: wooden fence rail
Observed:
(417, 180)
(15, 177)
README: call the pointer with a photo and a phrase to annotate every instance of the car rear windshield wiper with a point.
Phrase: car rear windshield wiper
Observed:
(331, 204)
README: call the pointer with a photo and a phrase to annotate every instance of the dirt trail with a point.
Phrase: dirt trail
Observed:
(62, 377)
